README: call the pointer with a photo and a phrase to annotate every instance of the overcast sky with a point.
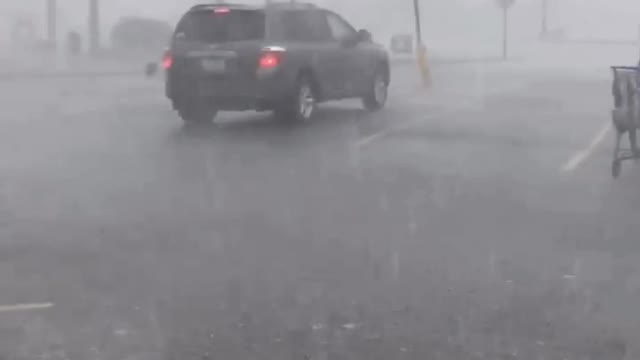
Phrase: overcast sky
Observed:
(455, 21)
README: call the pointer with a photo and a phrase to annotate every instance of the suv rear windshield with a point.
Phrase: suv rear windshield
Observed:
(211, 27)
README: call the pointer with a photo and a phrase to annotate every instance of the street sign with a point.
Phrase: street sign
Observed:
(505, 4)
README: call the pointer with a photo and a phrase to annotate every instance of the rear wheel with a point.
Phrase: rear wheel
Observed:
(377, 92)
(300, 106)
(198, 112)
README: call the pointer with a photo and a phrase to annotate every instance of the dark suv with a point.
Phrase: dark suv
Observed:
(284, 57)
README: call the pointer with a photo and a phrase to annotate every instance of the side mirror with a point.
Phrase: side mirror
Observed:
(364, 35)
(356, 38)
(151, 69)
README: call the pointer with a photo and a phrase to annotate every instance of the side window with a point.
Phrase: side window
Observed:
(237, 25)
(183, 28)
(305, 26)
(340, 29)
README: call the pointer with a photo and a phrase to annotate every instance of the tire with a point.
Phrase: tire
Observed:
(301, 105)
(198, 113)
(378, 90)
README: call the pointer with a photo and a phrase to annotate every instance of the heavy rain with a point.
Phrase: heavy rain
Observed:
(469, 212)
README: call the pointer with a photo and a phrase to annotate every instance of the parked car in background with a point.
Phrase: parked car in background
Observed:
(136, 35)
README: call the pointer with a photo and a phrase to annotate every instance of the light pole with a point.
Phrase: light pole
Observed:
(94, 26)
(421, 49)
(544, 26)
(416, 14)
(505, 32)
(52, 26)
(505, 5)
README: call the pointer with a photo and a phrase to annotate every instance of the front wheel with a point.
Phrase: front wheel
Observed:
(377, 92)
(198, 112)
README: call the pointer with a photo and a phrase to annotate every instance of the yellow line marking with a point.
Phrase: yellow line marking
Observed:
(581, 156)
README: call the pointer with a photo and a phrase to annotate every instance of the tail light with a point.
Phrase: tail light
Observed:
(167, 60)
(269, 60)
(221, 10)
(271, 57)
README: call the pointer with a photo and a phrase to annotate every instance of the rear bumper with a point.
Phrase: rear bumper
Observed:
(263, 92)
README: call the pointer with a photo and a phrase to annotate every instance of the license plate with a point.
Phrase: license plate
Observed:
(213, 65)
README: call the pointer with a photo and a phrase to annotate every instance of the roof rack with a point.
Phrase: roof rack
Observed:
(215, 5)
(269, 3)
(291, 4)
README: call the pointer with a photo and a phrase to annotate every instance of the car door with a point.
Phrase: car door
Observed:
(309, 34)
(352, 54)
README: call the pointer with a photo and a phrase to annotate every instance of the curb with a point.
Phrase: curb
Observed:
(590, 42)
(67, 74)
(457, 61)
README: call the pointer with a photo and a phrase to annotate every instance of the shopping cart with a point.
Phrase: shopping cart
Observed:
(625, 114)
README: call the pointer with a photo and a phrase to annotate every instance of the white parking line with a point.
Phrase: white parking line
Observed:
(24, 307)
(364, 141)
(581, 156)
(371, 138)
(418, 98)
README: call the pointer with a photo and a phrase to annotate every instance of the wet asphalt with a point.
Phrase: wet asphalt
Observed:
(476, 219)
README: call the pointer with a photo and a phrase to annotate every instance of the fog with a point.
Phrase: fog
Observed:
(466, 209)
(452, 26)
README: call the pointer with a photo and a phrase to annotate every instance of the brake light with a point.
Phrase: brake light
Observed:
(268, 60)
(221, 10)
(167, 60)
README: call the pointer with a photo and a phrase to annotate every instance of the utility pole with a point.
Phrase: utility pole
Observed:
(505, 5)
(416, 13)
(52, 23)
(421, 49)
(505, 32)
(544, 26)
(94, 26)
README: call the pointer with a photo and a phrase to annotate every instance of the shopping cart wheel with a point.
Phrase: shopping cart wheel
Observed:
(633, 141)
(616, 168)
